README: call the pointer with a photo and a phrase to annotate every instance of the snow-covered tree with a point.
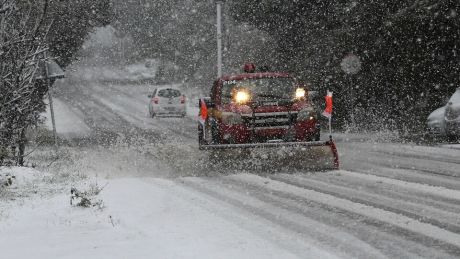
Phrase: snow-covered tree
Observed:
(27, 30)
(22, 41)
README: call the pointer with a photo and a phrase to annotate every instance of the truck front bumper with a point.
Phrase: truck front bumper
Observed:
(243, 134)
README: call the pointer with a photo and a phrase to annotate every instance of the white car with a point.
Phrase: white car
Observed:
(452, 116)
(445, 121)
(167, 101)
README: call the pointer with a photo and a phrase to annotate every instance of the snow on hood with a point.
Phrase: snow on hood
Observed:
(455, 98)
(454, 101)
(437, 114)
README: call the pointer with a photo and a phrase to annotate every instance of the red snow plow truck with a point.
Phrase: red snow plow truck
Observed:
(265, 113)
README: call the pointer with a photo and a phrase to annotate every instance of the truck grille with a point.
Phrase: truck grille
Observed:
(274, 120)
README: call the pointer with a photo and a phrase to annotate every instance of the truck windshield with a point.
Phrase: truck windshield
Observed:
(260, 88)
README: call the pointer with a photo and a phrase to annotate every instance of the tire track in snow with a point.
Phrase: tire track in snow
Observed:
(441, 218)
(392, 242)
(411, 175)
(424, 229)
(123, 124)
(96, 114)
(421, 156)
(409, 151)
(107, 127)
(191, 221)
(383, 190)
(138, 112)
(185, 123)
(422, 166)
(442, 192)
(303, 227)
(355, 156)
(280, 237)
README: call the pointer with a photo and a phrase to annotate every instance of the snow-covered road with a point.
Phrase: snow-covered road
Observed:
(388, 200)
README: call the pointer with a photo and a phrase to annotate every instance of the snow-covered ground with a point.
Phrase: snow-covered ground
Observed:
(143, 218)
(163, 199)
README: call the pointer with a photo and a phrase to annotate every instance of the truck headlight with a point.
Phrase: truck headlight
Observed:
(299, 93)
(231, 118)
(242, 97)
(306, 114)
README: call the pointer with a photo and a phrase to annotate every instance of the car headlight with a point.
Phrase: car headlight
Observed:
(231, 118)
(306, 114)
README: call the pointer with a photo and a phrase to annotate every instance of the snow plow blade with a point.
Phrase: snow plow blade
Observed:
(319, 155)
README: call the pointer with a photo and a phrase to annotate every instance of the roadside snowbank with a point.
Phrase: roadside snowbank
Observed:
(19, 183)
(23, 176)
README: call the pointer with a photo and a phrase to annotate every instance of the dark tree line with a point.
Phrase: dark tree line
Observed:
(408, 49)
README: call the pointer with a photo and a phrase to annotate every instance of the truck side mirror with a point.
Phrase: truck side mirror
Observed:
(209, 103)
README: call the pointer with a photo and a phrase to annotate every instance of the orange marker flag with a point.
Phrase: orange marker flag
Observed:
(328, 111)
(203, 110)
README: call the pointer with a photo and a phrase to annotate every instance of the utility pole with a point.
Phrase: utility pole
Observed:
(219, 39)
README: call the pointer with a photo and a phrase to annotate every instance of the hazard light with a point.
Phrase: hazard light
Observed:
(249, 68)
